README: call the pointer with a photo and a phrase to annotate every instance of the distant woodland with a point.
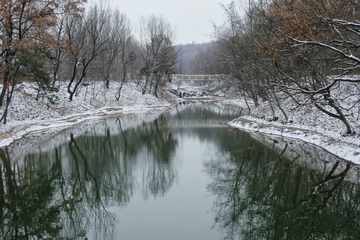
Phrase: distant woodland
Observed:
(191, 58)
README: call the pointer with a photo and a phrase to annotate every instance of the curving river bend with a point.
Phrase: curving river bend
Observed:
(184, 175)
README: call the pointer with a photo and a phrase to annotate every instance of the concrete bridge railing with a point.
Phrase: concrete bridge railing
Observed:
(183, 77)
(198, 123)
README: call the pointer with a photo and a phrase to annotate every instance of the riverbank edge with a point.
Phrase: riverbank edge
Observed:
(20, 130)
(346, 147)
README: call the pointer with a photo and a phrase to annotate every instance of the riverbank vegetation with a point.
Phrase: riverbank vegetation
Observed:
(293, 60)
(53, 42)
(292, 55)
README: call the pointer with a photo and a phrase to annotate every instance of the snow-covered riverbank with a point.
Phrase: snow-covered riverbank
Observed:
(307, 124)
(93, 102)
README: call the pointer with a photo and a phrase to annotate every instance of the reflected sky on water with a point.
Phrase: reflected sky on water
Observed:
(185, 175)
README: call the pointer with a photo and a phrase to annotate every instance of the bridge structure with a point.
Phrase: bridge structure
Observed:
(185, 77)
(198, 123)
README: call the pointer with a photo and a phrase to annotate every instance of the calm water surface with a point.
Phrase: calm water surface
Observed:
(185, 175)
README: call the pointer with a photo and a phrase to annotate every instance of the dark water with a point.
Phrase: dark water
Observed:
(185, 175)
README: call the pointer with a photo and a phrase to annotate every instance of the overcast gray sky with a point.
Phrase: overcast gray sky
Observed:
(192, 18)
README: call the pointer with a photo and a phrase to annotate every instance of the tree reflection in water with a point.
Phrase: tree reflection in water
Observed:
(64, 192)
(263, 195)
(25, 202)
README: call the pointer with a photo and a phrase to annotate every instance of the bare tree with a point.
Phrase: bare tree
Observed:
(323, 37)
(87, 38)
(118, 33)
(303, 50)
(235, 53)
(25, 40)
(238, 56)
(157, 51)
(204, 62)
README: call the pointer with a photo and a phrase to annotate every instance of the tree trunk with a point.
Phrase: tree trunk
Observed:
(118, 94)
(6, 83)
(8, 100)
(341, 116)
(85, 66)
(2, 95)
(146, 83)
(281, 109)
(247, 104)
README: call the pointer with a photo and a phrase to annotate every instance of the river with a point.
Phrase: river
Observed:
(183, 175)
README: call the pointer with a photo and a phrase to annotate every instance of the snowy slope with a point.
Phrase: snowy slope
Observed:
(92, 102)
(307, 123)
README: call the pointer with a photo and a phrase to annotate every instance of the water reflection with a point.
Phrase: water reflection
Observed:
(263, 195)
(62, 193)
(259, 191)
(24, 199)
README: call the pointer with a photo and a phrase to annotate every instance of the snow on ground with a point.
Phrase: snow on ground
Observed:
(92, 102)
(34, 142)
(306, 123)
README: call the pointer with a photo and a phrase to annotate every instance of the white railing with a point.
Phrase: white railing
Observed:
(184, 77)
(198, 123)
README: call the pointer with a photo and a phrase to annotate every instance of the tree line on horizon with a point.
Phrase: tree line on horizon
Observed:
(303, 50)
(51, 41)
(190, 58)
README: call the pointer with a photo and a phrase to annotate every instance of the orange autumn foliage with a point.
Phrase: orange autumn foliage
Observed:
(25, 29)
(311, 20)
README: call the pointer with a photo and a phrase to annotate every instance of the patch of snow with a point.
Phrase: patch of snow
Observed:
(91, 103)
(94, 102)
(44, 139)
(308, 124)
